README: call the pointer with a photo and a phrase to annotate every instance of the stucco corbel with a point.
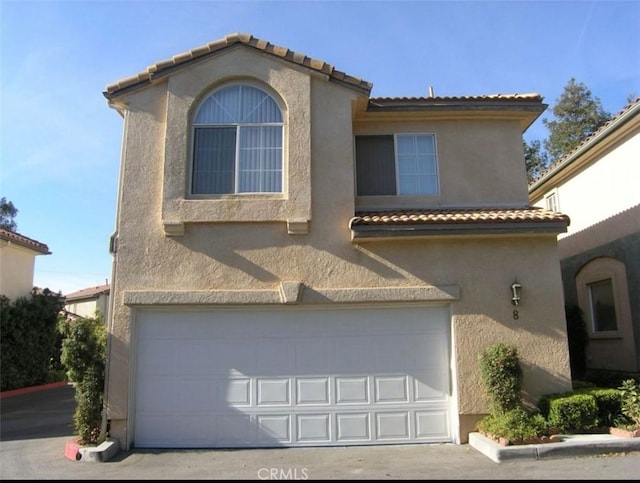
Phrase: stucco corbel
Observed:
(173, 228)
(290, 292)
(297, 226)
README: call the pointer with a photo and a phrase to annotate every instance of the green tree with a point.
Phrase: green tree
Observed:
(84, 356)
(536, 159)
(577, 115)
(7, 213)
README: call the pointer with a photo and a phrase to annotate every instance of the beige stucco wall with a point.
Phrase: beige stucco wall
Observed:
(606, 188)
(479, 163)
(16, 270)
(226, 258)
(87, 308)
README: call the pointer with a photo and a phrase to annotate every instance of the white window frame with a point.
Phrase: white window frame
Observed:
(397, 163)
(597, 270)
(237, 127)
(552, 200)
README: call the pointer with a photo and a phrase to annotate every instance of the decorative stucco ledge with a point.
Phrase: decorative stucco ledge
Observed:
(307, 295)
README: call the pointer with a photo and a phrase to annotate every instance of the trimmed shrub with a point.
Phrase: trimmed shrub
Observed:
(609, 403)
(29, 350)
(502, 376)
(630, 390)
(571, 412)
(514, 425)
(84, 357)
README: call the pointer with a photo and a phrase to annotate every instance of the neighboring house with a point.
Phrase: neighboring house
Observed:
(597, 186)
(299, 264)
(85, 302)
(17, 262)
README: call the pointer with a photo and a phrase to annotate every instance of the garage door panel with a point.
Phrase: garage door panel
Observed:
(234, 392)
(352, 390)
(313, 428)
(273, 392)
(392, 425)
(431, 385)
(274, 428)
(432, 424)
(391, 389)
(354, 427)
(299, 377)
(312, 391)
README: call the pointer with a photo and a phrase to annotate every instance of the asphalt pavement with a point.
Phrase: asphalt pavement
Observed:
(35, 427)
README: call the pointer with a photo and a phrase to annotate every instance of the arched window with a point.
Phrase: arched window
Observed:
(237, 143)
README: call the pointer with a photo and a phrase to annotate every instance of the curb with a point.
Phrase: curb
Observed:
(569, 445)
(91, 454)
(27, 390)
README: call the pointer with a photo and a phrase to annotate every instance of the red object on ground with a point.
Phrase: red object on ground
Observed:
(26, 390)
(72, 450)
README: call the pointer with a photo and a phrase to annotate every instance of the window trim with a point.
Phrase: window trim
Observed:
(410, 198)
(274, 195)
(553, 194)
(591, 316)
(596, 270)
(397, 163)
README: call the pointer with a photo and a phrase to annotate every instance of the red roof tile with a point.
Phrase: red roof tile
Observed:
(88, 292)
(24, 241)
(165, 67)
(458, 216)
(385, 101)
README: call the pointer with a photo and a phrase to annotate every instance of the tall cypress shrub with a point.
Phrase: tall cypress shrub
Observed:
(84, 356)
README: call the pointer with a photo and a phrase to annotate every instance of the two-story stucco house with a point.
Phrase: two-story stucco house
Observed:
(597, 186)
(88, 301)
(17, 263)
(300, 264)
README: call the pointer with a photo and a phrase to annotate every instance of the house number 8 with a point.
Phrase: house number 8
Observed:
(516, 316)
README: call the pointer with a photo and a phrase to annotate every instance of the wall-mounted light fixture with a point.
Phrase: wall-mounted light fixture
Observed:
(516, 288)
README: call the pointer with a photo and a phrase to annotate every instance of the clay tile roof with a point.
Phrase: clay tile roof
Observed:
(88, 292)
(532, 97)
(165, 67)
(23, 241)
(458, 216)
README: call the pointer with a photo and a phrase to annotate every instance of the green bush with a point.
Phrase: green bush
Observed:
(571, 412)
(630, 390)
(609, 403)
(502, 376)
(514, 425)
(84, 357)
(29, 346)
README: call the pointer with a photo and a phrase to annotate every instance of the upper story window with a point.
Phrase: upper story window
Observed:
(401, 164)
(237, 143)
(551, 201)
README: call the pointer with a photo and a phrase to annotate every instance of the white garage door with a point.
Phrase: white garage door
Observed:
(292, 377)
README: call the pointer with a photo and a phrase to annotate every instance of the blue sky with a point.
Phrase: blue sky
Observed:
(60, 142)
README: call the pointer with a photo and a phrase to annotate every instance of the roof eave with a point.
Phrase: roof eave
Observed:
(374, 232)
(538, 187)
(161, 70)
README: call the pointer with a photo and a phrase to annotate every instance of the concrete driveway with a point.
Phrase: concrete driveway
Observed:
(35, 427)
